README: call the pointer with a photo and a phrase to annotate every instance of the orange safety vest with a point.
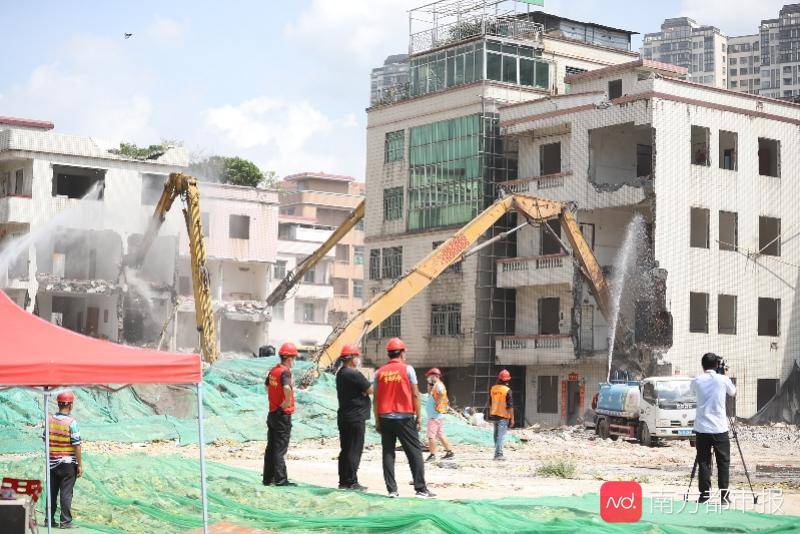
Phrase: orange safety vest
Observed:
(441, 402)
(498, 406)
(60, 437)
(275, 390)
(394, 393)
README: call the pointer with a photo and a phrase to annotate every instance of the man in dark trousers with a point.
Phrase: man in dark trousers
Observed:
(353, 390)
(65, 461)
(711, 425)
(398, 415)
(280, 390)
(500, 407)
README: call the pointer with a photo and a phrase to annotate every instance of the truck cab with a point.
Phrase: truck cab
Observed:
(666, 409)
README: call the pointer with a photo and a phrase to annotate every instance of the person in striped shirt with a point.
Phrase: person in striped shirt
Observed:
(65, 458)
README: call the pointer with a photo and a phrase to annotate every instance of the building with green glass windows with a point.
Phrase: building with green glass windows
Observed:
(436, 157)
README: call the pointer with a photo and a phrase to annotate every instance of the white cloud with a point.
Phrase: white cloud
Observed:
(166, 31)
(733, 17)
(355, 29)
(284, 136)
(92, 88)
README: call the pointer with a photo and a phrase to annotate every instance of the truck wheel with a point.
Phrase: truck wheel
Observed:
(602, 428)
(644, 436)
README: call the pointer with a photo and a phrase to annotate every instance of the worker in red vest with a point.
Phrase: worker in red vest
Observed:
(500, 407)
(398, 415)
(280, 390)
(65, 461)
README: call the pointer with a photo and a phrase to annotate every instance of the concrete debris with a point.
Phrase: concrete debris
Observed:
(245, 310)
(53, 283)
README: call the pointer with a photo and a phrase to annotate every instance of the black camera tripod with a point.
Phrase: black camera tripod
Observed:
(732, 422)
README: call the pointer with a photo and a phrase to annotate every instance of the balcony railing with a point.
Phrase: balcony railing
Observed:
(535, 349)
(533, 271)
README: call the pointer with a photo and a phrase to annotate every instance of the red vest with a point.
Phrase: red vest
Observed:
(275, 389)
(394, 393)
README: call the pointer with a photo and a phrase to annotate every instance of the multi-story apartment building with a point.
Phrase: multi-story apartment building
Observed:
(327, 200)
(240, 227)
(434, 159)
(702, 50)
(69, 212)
(302, 317)
(744, 63)
(780, 54)
(388, 81)
(707, 176)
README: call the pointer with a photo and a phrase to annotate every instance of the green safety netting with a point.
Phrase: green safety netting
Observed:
(140, 493)
(235, 404)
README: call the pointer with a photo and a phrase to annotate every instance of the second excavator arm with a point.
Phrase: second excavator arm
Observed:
(291, 279)
(534, 210)
(184, 186)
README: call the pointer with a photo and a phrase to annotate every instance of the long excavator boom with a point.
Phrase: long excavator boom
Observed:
(293, 277)
(184, 186)
(534, 210)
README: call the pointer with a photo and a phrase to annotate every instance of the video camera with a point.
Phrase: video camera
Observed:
(722, 367)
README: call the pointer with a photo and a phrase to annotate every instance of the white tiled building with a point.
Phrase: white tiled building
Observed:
(744, 64)
(712, 172)
(434, 160)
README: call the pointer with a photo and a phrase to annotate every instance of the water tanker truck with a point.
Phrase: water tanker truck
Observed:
(650, 410)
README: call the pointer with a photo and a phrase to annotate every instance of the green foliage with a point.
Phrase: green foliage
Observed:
(558, 469)
(131, 150)
(231, 170)
(240, 171)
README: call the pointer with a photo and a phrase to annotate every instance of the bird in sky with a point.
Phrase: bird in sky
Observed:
(127, 35)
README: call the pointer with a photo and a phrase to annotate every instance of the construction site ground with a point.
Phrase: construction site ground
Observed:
(772, 455)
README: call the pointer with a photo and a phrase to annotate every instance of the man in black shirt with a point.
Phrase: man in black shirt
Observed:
(353, 390)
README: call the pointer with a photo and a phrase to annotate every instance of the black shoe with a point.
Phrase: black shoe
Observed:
(267, 483)
(425, 494)
(448, 455)
(286, 484)
(430, 458)
(357, 487)
(67, 525)
(393, 495)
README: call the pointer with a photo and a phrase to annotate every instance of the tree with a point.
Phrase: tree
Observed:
(231, 170)
(131, 150)
(240, 171)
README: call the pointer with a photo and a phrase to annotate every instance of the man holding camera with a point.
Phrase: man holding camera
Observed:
(711, 424)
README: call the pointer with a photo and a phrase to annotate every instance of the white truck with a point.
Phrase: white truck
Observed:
(654, 409)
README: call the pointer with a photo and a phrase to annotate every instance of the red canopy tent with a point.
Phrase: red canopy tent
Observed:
(37, 354)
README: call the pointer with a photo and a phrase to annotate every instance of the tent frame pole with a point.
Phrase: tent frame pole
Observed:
(202, 442)
(47, 460)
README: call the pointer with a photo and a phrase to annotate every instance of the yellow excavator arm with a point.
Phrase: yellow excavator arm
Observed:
(296, 274)
(534, 210)
(184, 186)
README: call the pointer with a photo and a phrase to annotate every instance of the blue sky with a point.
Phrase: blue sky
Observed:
(282, 83)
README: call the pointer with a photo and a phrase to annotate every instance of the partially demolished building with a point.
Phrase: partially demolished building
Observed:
(708, 176)
(70, 212)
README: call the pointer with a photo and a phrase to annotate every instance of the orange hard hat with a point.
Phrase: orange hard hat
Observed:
(349, 350)
(504, 375)
(395, 344)
(434, 371)
(288, 350)
(65, 397)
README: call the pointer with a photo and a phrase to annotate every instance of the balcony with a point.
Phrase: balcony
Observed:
(535, 350)
(535, 271)
(16, 209)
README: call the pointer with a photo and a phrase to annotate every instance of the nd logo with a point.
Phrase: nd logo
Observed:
(621, 502)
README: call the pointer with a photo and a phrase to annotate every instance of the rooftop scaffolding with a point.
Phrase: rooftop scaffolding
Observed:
(450, 21)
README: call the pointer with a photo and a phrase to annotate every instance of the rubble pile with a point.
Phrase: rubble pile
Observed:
(53, 283)
(769, 435)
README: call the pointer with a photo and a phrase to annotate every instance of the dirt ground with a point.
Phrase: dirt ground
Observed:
(773, 459)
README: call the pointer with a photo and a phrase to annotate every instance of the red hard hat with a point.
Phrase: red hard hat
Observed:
(65, 396)
(434, 371)
(395, 344)
(350, 350)
(504, 375)
(288, 349)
